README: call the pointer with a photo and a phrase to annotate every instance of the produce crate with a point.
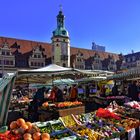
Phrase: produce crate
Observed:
(64, 135)
(73, 110)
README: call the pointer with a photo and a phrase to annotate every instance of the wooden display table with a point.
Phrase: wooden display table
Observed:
(73, 110)
(47, 114)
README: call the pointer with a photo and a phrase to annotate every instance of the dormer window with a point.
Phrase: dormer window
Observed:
(35, 56)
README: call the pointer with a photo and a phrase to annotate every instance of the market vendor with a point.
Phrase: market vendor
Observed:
(39, 95)
(73, 93)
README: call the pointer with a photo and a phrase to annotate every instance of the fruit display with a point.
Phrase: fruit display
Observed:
(9, 136)
(45, 104)
(24, 99)
(86, 133)
(57, 126)
(68, 104)
(52, 127)
(46, 129)
(107, 131)
(125, 111)
(85, 118)
(3, 129)
(128, 123)
(103, 124)
(68, 121)
(116, 97)
(61, 135)
(27, 130)
(105, 113)
(133, 104)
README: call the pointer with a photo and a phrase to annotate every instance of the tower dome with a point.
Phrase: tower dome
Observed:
(60, 30)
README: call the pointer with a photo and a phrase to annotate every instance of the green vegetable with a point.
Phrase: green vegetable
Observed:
(3, 129)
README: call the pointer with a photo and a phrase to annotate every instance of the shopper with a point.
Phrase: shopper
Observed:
(73, 93)
(115, 91)
(103, 91)
(52, 96)
(133, 91)
(65, 94)
(59, 95)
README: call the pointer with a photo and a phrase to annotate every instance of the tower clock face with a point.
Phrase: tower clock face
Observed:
(64, 48)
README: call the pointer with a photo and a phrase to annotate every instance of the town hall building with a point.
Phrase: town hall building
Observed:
(27, 54)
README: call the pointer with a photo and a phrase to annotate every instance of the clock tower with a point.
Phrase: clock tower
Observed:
(61, 43)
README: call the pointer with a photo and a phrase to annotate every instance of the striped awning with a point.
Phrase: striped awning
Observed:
(6, 84)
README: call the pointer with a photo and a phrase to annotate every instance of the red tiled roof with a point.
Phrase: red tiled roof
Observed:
(27, 45)
(90, 53)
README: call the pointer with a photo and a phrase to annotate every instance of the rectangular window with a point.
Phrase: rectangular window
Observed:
(31, 63)
(128, 59)
(11, 62)
(3, 53)
(7, 62)
(133, 58)
(7, 53)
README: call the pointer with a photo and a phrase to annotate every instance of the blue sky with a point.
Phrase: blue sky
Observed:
(111, 23)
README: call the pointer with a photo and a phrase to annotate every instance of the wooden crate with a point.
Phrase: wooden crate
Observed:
(73, 110)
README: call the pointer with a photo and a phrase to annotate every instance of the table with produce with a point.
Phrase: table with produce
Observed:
(60, 109)
(102, 124)
(108, 99)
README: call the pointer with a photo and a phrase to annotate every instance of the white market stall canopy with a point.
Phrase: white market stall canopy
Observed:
(6, 85)
(64, 81)
(96, 72)
(128, 74)
(56, 72)
(44, 74)
(50, 69)
(88, 79)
